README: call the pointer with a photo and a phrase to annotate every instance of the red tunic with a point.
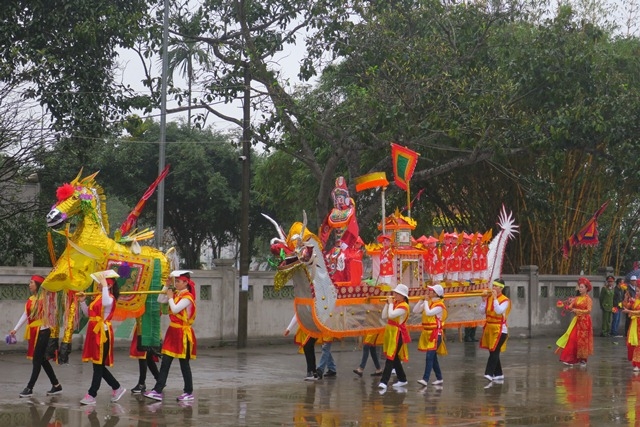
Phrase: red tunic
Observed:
(33, 326)
(180, 331)
(386, 262)
(96, 334)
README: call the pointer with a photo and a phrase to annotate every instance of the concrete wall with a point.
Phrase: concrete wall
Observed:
(533, 297)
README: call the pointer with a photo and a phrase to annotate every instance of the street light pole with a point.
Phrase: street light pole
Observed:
(163, 126)
(243, 303)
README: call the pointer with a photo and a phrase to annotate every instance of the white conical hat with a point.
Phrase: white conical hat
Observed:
(178, 273)
(106, 274)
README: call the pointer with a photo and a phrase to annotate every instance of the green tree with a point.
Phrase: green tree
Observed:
(201, 191)
(183, 51)
(501, 110)
(66, 52)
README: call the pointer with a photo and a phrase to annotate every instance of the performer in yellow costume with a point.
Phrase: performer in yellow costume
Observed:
(396, 336)
(633, 341)
(434, 314)
(495, 333)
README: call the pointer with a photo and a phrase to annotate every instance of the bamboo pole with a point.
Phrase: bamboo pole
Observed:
(479, 293)
(90, 294)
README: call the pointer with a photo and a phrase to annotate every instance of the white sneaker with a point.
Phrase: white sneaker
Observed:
(88, 400)
(382, 386)
(489, 377)
(438, 382)
(498, 377)
(636, 369)
(117, 394)
(400, 384)
(423, 382)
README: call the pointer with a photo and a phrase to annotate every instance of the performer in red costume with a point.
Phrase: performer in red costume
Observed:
(342, 222)
(576, 345)
(37, 334)
(98, 344)
(179, 340)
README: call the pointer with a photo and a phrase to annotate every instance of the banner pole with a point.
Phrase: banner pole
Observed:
(409, 198)
(384, 215)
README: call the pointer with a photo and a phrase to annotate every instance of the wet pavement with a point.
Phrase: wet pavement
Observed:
(263, 385)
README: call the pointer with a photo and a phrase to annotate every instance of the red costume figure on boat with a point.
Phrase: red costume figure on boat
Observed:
(479, 260)
(342, 222)
(386, 274)
(451, 257)
(465, 253)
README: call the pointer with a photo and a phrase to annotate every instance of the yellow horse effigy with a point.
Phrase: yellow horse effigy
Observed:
(80, 215)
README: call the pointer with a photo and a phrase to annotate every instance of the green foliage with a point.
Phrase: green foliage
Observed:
(23, 240)
(66, 52)
(202, 189)
(501, 109)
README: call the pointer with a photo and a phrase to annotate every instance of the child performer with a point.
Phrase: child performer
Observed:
(98, 344)
(396, 336)
(180, 340)
(434, 314)
(37, 333)
(496, 307)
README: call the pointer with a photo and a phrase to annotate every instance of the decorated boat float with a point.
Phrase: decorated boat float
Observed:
(332, 296)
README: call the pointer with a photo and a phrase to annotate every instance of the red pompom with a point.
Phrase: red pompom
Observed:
(65, 191)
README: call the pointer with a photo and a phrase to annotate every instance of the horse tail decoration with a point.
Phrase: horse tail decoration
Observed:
(498, 244)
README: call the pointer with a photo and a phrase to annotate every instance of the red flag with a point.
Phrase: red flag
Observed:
(588, 234)
(404, 163)
(132, 218)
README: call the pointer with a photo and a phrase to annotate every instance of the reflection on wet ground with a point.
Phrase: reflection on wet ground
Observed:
(263, 385)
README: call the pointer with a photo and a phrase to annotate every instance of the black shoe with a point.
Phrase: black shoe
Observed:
(330, 374)
(27, 392)
(56, 389)
(140, 388)
(318, 374)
